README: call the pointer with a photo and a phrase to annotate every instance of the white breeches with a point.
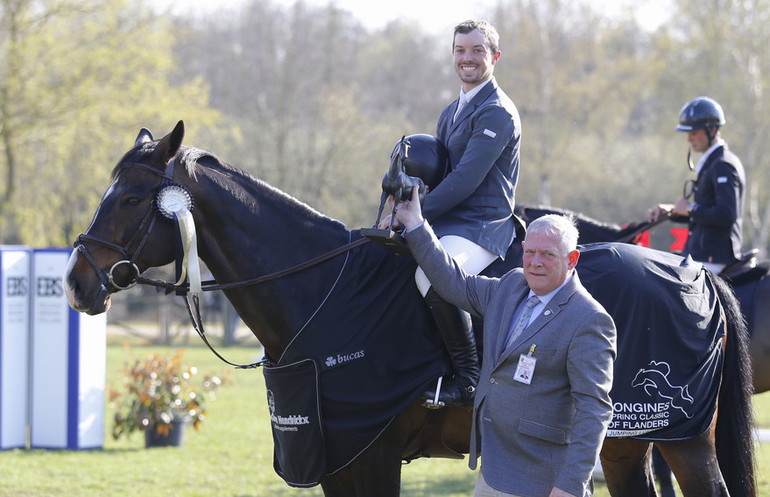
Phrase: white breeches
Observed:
(470, 257)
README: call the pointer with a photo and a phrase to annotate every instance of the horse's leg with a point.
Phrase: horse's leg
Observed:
(626, 466)
(376, 472)
(662, 472)
(694, 463)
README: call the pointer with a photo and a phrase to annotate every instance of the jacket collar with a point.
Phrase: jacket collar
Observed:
(708, 154)
(486, 91)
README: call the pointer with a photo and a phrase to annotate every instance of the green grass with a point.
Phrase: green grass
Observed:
(231, 456)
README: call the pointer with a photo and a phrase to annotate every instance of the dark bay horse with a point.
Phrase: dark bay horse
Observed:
(247, 229)
(754, 293)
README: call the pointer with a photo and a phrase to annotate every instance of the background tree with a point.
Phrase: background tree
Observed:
(310, 100)
(722, 54)
(76, 78)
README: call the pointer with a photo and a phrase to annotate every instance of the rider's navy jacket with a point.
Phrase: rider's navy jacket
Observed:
(476, 199)
(715, 223)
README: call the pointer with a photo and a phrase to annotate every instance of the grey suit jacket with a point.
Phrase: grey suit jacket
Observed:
(548, 433)
(476, 198)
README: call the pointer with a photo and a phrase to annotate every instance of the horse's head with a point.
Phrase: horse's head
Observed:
(128, 234)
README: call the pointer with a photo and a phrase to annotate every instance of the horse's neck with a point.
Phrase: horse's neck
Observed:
(257, 231)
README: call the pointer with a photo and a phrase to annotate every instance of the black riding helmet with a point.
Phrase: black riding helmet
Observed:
(700, 113)
(426, 158)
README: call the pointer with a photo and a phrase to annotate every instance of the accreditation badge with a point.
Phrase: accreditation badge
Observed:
(525, 370)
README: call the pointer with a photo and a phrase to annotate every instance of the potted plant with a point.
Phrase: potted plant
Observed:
(159, 397)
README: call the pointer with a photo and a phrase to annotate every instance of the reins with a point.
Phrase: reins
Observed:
(641, 229)
(211, 285)
(194, 312)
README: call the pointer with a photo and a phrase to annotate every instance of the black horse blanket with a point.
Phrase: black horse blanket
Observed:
(371, 349)
(670, 330)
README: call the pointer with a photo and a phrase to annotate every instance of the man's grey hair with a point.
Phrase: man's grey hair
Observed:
(557, 225)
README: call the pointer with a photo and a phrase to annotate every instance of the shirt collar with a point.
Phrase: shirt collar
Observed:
(718, 143)
(469, 95)
(545, 299)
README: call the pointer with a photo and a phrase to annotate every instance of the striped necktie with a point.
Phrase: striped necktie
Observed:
(523, 319)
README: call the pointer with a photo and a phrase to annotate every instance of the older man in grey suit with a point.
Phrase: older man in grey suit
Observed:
(542, 406)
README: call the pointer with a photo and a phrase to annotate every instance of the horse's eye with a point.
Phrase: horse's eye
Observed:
(133, 201)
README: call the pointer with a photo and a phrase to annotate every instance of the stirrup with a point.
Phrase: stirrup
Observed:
(465, 397)
(434, 403)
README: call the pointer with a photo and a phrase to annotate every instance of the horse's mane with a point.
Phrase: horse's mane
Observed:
(238, 182)
(529, 212)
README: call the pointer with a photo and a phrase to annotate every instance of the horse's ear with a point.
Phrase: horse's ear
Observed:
(143, 136)
(170, 144)
(176, 136)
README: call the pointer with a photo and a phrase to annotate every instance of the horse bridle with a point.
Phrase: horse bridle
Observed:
(144, 230)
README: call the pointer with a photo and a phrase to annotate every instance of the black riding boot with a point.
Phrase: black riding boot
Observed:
(455, 327)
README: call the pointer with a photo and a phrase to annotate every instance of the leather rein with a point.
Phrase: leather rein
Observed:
(182, 286)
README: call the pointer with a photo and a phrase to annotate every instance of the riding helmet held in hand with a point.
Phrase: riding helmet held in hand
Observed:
(426, 158)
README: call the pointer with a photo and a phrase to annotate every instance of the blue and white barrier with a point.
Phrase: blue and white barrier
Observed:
(68, 356)
(14, 345)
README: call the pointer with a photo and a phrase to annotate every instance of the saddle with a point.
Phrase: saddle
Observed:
(744, 270)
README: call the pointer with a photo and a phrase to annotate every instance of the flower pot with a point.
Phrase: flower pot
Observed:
(174, 438)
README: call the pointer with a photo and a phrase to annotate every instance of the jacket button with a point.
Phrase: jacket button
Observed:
(492, 380)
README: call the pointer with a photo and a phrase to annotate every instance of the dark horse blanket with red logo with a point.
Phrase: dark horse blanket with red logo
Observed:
(371, 349)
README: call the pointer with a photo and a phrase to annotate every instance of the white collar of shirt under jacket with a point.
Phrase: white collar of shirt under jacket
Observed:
(469, 95)
(545, 299)
(707, 153)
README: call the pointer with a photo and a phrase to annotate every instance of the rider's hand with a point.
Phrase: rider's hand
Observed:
(659, 211)
(386, 223)
(681, 207)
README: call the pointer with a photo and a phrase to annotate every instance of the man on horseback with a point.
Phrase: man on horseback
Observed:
(713, 204)
(472, 208)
